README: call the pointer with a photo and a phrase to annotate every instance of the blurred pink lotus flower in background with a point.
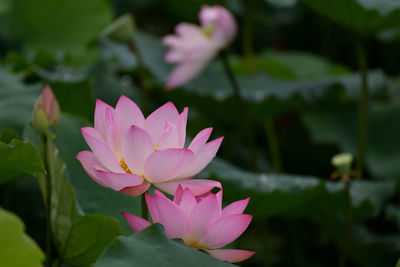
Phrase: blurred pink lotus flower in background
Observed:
(130, 152)
(193, 46)
(200, 222)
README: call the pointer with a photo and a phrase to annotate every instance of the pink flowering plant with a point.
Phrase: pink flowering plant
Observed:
(194, 46)
(199, 221)
(130, 152)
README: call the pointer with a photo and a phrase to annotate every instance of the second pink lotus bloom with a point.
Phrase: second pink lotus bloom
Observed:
(200, 222)
(129, 152)
(193, 46)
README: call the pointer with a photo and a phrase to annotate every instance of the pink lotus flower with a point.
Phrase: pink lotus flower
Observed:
(200, 222)
(130, 152)
(193, 47)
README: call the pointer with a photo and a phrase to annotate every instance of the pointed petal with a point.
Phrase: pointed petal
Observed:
(196, 186)
(200, 140)
(164, 165)
(169, 214)
(111, 134)
(225, 230)
(202, 158)
(137, 223)
(236, 207)
(101, 150)
(181, 127)
(135, 191)
(155, 122)
(89, 162)
(170, 137)
(137, 147)
(126, 114)
(230, 255)
(187, 201)
(203, 215)
(118, 181)
(184, 72)
(100, 115)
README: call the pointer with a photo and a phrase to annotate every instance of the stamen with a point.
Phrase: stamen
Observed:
(155, 146)
(124, 166)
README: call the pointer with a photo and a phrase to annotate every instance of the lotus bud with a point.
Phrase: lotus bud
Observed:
(121, 29)
(343, 162)
(46, 111)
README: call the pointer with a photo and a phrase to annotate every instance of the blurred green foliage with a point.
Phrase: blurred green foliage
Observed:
(301, 73)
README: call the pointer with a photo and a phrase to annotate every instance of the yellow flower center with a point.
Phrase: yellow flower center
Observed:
(208, 31)
(124, 166)
(155, 146)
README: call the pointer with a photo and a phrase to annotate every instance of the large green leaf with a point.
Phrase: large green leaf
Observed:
(335, 125)
(295, 195)
(363, 16)
(62, 24)
(92, 197)
(17, 248)
(16, 101)
(151, 247)
(257, 88)
(291, 65)
(19, 158)
(80, 239)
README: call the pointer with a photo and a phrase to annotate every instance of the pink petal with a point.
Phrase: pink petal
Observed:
(137, 147)
(101, 150)
(118, 181)
(100, 115)
(225, 230)
(111, 134)
(164, 165)
(196, 186)
(202, 158)
(181, 127)
(167, 213)
(155, 122)
(89, 162)
(137, 223)
(170, 137)
(230, 255)
(203, 215)
(185, 199)
(236, 207)
(186, 71)
(137, 190)
(126, 114)
(200, 140)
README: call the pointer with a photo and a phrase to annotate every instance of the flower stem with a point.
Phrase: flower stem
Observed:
(243, 109)
(49, 237)
(142, 75)
(273, 145)
(145, 211)
(347, 227)
(247, 40)
(363, 112)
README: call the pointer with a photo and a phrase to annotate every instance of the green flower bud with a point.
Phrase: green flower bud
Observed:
(342, 162)
(121, 29)
(46, 111)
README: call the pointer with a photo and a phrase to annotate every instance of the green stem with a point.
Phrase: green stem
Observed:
(247, 40)
(347, 227)
(363, 112)
(142, 75)
(273, 145)
(145, 211)
(243, 109)
(48, 203)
